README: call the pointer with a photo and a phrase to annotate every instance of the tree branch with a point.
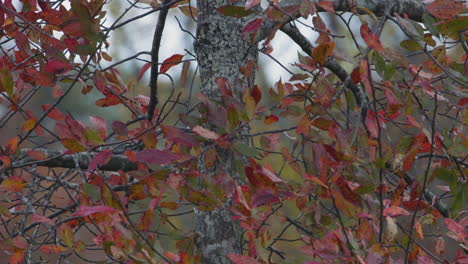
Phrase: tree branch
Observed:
(56, 159)
(155, 58)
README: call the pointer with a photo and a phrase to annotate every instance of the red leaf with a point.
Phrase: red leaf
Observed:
(395, 211)
(371, 124)
(425, 260)
(120, 128)
(172, 256)
(57, 66)
(100, 159)
(445, 9)
(42, 219)
(251, 3)
(371, 39)
(143, 70)
(264, 197)
(179, 136)
(170, 62)
(37, 154)
(240, 198)
(108, 101)
(327, 6)
(256, 94)
(54, 113)
(456, 231)
(348, 194)
(315, 179)
(239, 259)
(252, 26)
(205, 133)
(356, 75)
(271, 119)
(463, 103)
(158, 157)
(84, 211)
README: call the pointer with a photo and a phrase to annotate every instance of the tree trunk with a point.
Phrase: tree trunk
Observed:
(221, 52)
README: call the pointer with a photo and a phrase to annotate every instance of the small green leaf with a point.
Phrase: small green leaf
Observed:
(92, 191)
(245, 149)
(234, 11)
(6, 81)
(411, 45)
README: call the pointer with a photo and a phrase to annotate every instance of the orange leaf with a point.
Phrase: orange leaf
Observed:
(13, 184)
(37, 154)
(322, 51)
(170, 62)
(29, 124)
(48, 249)
(12, 145)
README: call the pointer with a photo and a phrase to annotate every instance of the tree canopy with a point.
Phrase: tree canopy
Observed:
(358, 156)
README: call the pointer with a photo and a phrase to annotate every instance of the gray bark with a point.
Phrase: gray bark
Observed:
(221, 52)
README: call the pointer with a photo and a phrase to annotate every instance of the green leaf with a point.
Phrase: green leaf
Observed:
(92, 191)
(234, 11)
(460, 199)
(411, 45)
(6, 81)
(245, 149)
(92, 137)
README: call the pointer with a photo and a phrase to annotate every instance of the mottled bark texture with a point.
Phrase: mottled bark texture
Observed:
(221, 52)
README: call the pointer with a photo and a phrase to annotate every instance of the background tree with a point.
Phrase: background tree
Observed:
(359, 156)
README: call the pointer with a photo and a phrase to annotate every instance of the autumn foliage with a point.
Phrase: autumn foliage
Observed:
(367, 169)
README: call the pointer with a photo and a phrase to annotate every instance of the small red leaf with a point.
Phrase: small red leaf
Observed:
(251, 3)
(42, 219)
(271, 119)
(179, 136)
(205, 133)
(327, 6)
(371, 124)
(240, 259)
(120, 128)
(84, 211)
(143, 70)
(172, 256)
(57, 66)
(395, 211)
(54, 113)
(456, 231)
(371, 39)
(170, 62)
(100, 159)
(252, 26)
